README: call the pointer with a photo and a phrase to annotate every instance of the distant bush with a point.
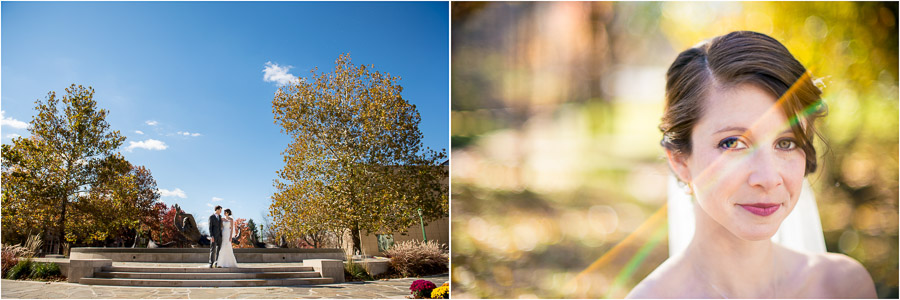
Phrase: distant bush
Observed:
(44, 271)
(20, 270)
(416, 258)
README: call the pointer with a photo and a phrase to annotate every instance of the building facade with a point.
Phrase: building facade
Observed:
(376, 243)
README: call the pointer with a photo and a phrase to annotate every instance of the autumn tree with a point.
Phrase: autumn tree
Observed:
(356, 159)
(314, 239)
(28, 205)
(67, 179)
(163, 230)
(244, 233)
(119, 205)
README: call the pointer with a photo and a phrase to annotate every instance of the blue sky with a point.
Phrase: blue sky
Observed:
(184, 81)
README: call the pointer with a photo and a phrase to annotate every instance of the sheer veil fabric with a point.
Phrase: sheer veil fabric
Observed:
(801, 230)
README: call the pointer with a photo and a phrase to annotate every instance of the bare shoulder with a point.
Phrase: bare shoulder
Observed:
(667, 281)
(843, 276)
(646, 289)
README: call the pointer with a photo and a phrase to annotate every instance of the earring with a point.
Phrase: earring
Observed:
(689, 189)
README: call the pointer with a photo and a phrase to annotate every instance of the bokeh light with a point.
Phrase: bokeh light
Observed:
(558, 179)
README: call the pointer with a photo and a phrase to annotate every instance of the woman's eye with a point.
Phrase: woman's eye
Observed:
(732, 143)
(786, 144)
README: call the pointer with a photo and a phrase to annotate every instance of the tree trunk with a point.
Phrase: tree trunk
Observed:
(65, 202)
(354, 234)
(61, 232)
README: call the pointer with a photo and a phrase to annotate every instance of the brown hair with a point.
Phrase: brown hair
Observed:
(740, 57)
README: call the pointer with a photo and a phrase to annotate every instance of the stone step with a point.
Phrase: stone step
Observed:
(205, 270)
(204, 282)
(217, 276)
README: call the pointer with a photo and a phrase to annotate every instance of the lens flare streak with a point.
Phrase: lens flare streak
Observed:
(654, 228)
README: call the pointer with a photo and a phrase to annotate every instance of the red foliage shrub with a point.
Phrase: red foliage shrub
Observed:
(10, 257)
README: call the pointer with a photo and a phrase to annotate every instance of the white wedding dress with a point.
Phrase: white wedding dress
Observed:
(226, 253)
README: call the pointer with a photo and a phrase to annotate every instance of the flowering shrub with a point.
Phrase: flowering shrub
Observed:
(417, 258)
(421, 289)
(442, 292)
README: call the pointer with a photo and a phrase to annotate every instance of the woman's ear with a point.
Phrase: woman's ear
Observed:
(678, 162)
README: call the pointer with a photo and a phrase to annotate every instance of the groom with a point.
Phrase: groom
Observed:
(215, 231)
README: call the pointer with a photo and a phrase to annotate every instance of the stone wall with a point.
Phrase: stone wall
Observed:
(201, 255)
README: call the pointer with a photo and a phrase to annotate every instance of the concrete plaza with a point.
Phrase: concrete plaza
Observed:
(380, 289)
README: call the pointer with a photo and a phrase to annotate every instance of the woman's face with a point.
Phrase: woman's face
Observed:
(745, 168)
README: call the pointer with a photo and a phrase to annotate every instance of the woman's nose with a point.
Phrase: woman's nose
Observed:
(764, 170)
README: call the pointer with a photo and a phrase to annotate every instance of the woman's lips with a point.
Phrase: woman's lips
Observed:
(761, 209)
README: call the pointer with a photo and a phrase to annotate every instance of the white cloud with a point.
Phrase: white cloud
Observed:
(278, 74)
(216, 199)
(203, 224)
(210, 205)
(138, 132)
(152, 123)
(185, 133)
(4, 121)
(174, 193)
(149, 144)
(12, 135)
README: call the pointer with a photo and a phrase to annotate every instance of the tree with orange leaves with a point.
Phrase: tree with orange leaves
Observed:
(243, 232)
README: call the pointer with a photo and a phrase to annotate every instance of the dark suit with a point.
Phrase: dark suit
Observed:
(215, 231)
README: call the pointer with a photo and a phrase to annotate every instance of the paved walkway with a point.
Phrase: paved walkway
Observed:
(381, 289)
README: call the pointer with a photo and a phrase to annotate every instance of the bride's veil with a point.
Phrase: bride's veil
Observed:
(801, 230)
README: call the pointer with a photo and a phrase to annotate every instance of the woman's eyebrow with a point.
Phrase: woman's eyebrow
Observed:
(744, 129)
(731, 128)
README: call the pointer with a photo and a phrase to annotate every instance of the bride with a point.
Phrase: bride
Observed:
(226, 254)
(738, 128)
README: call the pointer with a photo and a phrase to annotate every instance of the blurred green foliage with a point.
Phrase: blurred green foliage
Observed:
(556, 158)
